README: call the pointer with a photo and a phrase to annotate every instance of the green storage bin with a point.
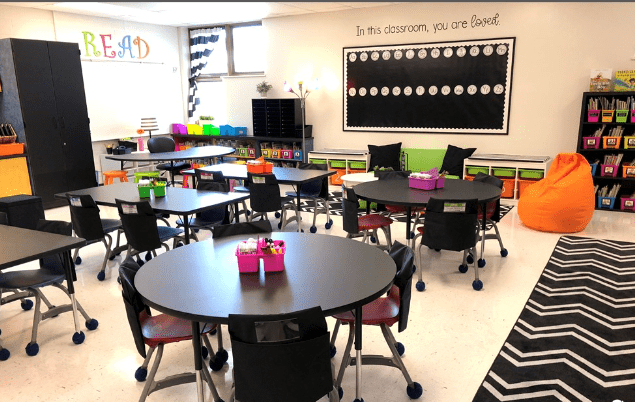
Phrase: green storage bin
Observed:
(531, 174)
(473, 170)
(357, 165)
(144, 191)
(139, 175)
(159, 191)
(318, 161)
(504, 172)
(338, 164)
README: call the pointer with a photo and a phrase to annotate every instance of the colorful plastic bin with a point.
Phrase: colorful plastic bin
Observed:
(531, 174)
(608, 170)
(523, 184)
(621, 116)
(297, 155)
(632, 116)
(336, 179)
(611, 142)
(508, 187)
(627, 204)
(594, 168)
(628, 171)
(139, 175)
(606, 202)
(629, 142)
(591, 142)
(357, 165)
(337, 164)
(249, 263)
(144, 191)
(474, 170)
(594, 116)
(504, 172)
(607, 116)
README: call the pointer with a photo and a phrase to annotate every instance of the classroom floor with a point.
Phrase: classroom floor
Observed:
(453, 334)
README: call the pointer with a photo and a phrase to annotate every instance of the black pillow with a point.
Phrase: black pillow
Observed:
(385, 156)
(453, 160)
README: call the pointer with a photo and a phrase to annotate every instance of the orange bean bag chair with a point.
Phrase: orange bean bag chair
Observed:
(562, 202)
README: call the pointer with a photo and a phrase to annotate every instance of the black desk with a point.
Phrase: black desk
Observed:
(19, 246)
(200, 282)
(207, 152)
(179, 201)
(293, 176)
(397, 192)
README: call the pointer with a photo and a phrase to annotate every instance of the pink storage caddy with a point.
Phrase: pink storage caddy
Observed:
(427, 184)
(179, 129)
(271, 262)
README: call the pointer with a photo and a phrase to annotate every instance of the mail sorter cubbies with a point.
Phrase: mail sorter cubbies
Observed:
(516, 171)
(606, 138)
(342, 161)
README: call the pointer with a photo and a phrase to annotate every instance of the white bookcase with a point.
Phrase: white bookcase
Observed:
(517, 166)
(345, 161)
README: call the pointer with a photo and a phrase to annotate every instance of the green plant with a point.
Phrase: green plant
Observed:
(206, 118)
(263, 87)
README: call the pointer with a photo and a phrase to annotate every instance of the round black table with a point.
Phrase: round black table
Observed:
(207, 152)
(397, 192)
(200, 282)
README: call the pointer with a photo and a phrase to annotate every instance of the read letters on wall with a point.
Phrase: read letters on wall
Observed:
(443, 87)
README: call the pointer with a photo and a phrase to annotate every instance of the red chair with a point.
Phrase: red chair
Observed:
(384, 312)
(157, 331)
(365, 225)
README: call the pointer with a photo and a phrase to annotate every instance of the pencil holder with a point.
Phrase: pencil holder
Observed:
(608, 170)
(632, 116)
(606, 202)
(621, 116)
(628, 171)
(607, 116)
(627, 204)
(629, 142)
(611, 142)
(594, 115)
(591, 142)
(594, 167)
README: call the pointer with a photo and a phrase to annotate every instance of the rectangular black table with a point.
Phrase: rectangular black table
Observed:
(179, 201)
(19, 246)
(293, 176)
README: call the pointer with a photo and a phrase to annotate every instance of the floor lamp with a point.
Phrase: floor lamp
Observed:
(302, 95)
(149, 124)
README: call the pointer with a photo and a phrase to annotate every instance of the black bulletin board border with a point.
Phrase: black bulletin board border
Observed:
(452, 87)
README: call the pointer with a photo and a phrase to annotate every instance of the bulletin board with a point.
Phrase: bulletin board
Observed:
(459, 87)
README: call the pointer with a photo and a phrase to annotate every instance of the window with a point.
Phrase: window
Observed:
(243, 53)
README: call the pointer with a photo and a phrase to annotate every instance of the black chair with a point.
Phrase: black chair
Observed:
(281, 358)
(318, 191)
(492, 216)
(29, 282)
(365, 225)
(400, 209)
(88, 224)
(156, 331)
(234, 229)
(265, 197)
(167, 144)
(385, 312)
(142, 232)
(4, 353)
(234, 211)
(451, 225)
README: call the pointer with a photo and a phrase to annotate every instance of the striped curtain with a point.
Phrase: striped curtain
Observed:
(202, 43)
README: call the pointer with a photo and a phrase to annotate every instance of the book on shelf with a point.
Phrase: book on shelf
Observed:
(601, 80)
(624, 80)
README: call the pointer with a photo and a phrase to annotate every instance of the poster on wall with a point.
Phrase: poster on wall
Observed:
(459, 87)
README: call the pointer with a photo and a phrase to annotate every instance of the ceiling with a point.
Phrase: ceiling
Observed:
(190, 14)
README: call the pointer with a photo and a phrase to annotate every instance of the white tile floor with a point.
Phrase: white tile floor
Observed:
(453, 335)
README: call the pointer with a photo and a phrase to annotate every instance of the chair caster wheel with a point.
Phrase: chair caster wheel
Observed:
(204, 352)
(32, 349)
(340, 392)
(333, 351)
(401, 349)
(247, 213)
(504, 252)
(480, 263)
(112, 257)
(462, 269)
(148, 256)
(469, 259)
(179, 244)
(140, 262)
(92, 324)
(222, 356)
(141, 374)
(415, 392)
(26, 305)
(78, 337)
(372, 239)
(420, 286)
(4, 354)
(477, 285)
(119, 280)
(313, 229)
(279, 225)
(277, 214)
(301, 230)
(215, 364)
(213, 332)
(78, 260)
(101, 276)
(437, 249)
(358, 400)
(328, 224)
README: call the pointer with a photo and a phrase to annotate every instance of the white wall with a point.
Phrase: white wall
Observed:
(557, 44)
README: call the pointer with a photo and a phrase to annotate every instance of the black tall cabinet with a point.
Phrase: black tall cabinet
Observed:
(43, 98)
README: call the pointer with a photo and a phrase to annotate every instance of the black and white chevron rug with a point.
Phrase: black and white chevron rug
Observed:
(575, 338)
(335, 207)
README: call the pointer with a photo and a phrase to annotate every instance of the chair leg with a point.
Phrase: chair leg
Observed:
(346, 357)
(390, 339)
(153, 371)
(107, 240)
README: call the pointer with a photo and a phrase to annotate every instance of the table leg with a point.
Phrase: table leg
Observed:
(408, 216)
(484, 222)
(186, 228)
(297, 205)
(198, 360)
(68, 268)
(358, 353)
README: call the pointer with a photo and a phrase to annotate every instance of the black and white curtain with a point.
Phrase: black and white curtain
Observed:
(202, 43)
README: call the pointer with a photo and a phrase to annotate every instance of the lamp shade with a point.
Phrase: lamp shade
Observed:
(149, 124)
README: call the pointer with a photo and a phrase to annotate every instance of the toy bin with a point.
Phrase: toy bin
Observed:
(468, 177)
(144, 191)
(286, 153)
(628, 170)
(608, 170)
(226, 129)
(241, 152)
(240, 131)
(159, 191)
(591, 142)
(336, 179)
(611, 142)
(632, 116)
(194, 129)
(594, 116)
(251, 152)
(209, 129)
(337, 164)
(523, 184)
(317, 161)
(11, 149)
(473, 170)
(275, 153)
(621, 116)
(594, 168)
(607, 116)
(503, 172)
(357, 165)
(140, 175)
(265, 152)
(508, 187)
(274, 262)
(606, 202)
(179, 129)
(297, 155)
(629, 142)
(531, 174)
(627, 204)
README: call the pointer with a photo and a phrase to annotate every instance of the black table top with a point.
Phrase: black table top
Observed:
(210, 151)
(397, 192)
(177, 200)
(283, 174)
(19, 245)
(201, 281)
